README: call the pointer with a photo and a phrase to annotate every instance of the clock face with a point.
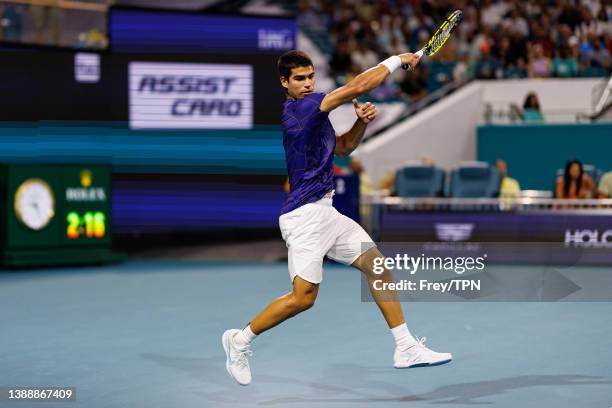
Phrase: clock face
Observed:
(34, 204)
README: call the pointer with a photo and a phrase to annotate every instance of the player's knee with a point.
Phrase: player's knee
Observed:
(371, 262)
(303, 301)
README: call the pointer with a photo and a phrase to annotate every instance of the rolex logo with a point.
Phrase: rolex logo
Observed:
(86, 178)
(85, 192)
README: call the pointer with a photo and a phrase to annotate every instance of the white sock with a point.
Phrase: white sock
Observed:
(403, 337)
(244, 337)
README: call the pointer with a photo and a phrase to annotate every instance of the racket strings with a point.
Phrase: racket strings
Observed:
(442, 35)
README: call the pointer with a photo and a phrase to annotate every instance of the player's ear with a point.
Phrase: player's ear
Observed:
(284, 82)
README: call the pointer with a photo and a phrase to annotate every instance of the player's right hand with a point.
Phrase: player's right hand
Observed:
(410, 59)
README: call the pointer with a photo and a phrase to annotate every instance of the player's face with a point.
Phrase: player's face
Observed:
(301, 82)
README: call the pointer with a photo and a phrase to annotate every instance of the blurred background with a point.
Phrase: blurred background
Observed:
(178, 105)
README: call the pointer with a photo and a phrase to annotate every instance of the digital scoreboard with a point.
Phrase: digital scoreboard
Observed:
(56, 214)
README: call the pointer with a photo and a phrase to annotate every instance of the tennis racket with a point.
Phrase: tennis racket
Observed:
(440, 37)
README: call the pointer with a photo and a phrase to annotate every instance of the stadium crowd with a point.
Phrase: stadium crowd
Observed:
(496, 39)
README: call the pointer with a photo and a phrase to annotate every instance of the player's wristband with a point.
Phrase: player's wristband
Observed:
(392, 63)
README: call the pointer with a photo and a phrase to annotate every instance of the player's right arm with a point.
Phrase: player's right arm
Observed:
(362, 83)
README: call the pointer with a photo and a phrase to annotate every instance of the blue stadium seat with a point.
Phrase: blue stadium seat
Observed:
(475, 179)
(419, 181)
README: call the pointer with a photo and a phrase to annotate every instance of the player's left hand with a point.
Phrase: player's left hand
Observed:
(366, 112)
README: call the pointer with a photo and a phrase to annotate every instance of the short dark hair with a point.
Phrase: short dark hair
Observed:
(292, 59)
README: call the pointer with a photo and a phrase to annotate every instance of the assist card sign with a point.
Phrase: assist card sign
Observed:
(188, 95)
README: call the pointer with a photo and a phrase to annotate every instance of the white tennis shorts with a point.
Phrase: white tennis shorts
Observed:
(315, 230)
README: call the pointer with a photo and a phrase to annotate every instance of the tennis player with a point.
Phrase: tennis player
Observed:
(310, 225)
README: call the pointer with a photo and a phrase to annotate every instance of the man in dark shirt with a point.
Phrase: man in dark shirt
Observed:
(310, 225)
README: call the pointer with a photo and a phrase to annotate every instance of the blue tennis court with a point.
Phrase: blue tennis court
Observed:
(147, 333)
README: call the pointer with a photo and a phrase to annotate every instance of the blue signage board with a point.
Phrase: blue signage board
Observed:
(168, 32)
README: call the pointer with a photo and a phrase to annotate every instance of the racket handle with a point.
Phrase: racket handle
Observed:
(408, 67)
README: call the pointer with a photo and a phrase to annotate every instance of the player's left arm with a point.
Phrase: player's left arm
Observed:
(346, 143)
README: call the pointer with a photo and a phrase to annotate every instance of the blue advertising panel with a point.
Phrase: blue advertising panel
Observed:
(164, 32)
(561, 227)
(566, 238)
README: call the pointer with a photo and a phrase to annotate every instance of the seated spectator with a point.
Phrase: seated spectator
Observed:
(341, 61)
(365, 183)
(516, 71)
(396, 46)
(415, 85)
(531, 109)
(563, 65)
(575, 183)
(601, 56)
(605, 185)
(509, 188)
(539, 64)
(487, 67)
(462, 71)
(385, 91)
(363, 57)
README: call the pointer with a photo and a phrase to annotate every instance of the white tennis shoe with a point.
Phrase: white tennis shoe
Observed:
(237, 362)
(419, 356)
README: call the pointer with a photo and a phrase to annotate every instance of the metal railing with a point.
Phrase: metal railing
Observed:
(491, 204)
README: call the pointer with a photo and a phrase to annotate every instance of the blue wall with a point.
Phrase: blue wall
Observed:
(257, 151)
(535, 152)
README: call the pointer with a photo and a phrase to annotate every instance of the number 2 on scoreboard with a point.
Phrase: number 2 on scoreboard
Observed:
(91, 224)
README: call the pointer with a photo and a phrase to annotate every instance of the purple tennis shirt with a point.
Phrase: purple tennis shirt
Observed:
(310, 141)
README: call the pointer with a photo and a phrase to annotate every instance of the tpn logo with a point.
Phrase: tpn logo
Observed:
(454, 232)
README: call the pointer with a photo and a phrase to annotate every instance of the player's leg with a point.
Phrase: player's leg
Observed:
(355, 247)
(386, 300)
(301, 231)
(236, 343)
(301, 298)
(409, 352)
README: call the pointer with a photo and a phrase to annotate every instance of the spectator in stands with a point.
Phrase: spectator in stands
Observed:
(564, 65)
(363, 57)
(605, 185)
(531, 109)
(509, 188)
(487, 67)
(539, 64)
(11, 23)
(575, 183)
(462, 71)
(387, 182)
(341, 61)
(601, 55)
(415, 85)
(502, 51)
(365, 183)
